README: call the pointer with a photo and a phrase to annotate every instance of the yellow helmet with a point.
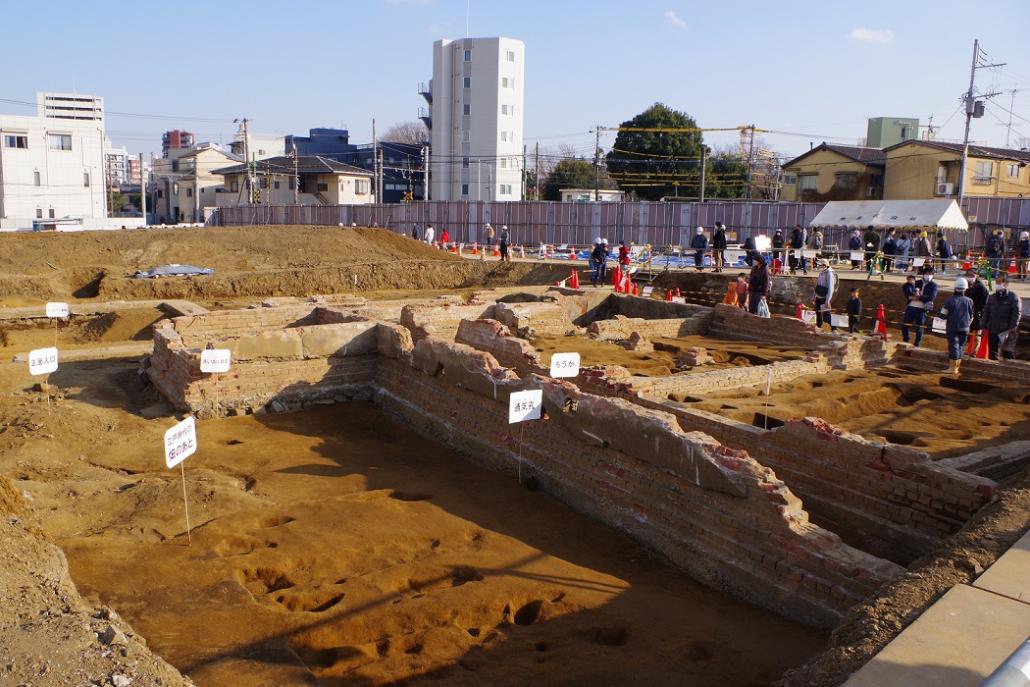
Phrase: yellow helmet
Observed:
(922, 234)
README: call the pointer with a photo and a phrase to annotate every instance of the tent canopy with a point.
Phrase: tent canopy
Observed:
(941, 213)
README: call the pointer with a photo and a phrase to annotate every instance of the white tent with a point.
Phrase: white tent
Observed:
(941, 213)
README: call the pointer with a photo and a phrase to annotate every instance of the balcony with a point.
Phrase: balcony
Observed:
(983, 181)
(426, 117)
(426, 91)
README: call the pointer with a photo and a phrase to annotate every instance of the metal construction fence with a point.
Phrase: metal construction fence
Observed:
(660, 224)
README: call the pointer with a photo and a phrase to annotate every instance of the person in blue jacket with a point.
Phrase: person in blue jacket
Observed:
(958, 312)
(920, 294)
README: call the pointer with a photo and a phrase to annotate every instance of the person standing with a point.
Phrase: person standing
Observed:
(922, 247)
(890, 250)
(958, 310)
(854, 310)
(623, 256)
(1023, 255)
(995, 250)
(505, 239)
(943, 251)
(978, 293)
(920, 295)
(599, 259)
(1001, 319)
(742, 291)
(777, 246)
(488, 232)
(700, 244)
(797, 245)
(903, 247)
(872, 246)
(416, 231)
(445, 238)
(759, 284)
(825, 286)
(750, 251)
(430, 234)
(817, 243)
(719, 247)
(855, 245)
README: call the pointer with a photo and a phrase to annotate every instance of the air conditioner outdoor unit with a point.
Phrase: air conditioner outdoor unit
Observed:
(945, 189)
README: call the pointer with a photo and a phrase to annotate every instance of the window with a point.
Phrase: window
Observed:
(904, 133)
(504, 136)
(465, 162)
(39, 213)
(466, 136)
(509, 55)
(506, 82)
(507, 109)
(505, 189)
(464, 189)
(51, 213)
(161, 193)
(322, 188)
(983, 172)
(466, 109)
(275, 184)
(466, 82)
(36, 179)
(468, 55)
(789, 180)
(847, 181)
(289, 184)
(85, 179)
(504, 163)
(16, 141)
(189, 192)
(1012, 170)
(806, 182)
(264, 182)
(59, 141)
(361, 186)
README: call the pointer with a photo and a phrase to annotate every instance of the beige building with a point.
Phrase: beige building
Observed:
(835, 172)
(183, 186)
(930, 169)
(313, 180)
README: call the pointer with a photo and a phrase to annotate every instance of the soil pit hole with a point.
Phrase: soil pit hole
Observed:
(529, 613)
(409, 496)
(265, 580)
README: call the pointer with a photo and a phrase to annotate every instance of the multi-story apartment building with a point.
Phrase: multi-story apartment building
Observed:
(52, 166)
(175, 142)
(475, 119)
(116, 164)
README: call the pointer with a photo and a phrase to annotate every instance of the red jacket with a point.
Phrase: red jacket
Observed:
(445, 237)
(623, 255)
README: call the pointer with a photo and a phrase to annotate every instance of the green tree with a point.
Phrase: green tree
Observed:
(571, 173)
(657, 163)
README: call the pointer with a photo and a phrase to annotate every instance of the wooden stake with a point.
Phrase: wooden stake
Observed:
(185, 504)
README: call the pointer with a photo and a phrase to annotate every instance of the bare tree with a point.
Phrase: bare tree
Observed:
(413, 132)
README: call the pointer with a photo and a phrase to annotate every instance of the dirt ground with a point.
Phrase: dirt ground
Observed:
(933, 412)
(662, 361)
(336, 545)
(79, 331)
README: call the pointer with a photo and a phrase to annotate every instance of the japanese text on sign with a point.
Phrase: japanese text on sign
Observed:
(180, 442)
(43, 361)
(565, 364)
(57, 310)
(215, 360)
(525, 405)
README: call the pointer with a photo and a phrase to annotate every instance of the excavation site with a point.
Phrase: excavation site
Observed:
(396, 476)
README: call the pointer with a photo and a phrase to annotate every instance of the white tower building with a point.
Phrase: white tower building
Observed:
(475, 124)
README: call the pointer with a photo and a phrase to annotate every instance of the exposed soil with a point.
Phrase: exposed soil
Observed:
(79, 331)
(337, 545)
(936, 413)
(663, 360)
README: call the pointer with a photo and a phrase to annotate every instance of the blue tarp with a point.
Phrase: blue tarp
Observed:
(173, 270)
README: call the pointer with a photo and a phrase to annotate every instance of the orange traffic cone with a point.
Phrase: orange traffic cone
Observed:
(574, 280)
(677, 292)
(799, 312)
(881, 322)
(984, 351)
(636, 291)
(1012, 267)
(668, 295)
(475, 249)
(617, 278)
(971, 345)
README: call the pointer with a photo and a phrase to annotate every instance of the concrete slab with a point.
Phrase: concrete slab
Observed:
(957, 642)
(1010, 574)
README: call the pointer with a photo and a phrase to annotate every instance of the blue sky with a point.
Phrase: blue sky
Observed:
(815, 68)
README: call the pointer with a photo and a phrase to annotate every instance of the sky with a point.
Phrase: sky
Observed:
(816, 69)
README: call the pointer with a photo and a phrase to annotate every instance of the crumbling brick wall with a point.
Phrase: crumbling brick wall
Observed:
(496, 339)
(441, 318)
(620, 327)
(712, 510)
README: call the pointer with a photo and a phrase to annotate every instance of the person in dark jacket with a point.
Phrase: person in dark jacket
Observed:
(978, 293)
(854, 310)
(719, 247)
(943, 250)
(599, 259)
(750, 251)
(995, 250)
(855, 244)
(1001, 319)
(797, 245)
(416, 232)
(700, 244)
(1023, 255)
(871, 240)
(920, 295)
(890, 249)
(958, 310)
(777, 246)
(759, 283)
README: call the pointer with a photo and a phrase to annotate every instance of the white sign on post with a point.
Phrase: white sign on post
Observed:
(180, 442)
(57, 310)
(564, 364)
(678, 299)
(840, 321)
(215, 360)
(918, 262)
(648, 290)
(939, 325)
(43, 361)
(857, 255)
(525, 405)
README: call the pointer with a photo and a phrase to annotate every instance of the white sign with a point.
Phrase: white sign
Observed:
(939, 325)
(857, 255)
(809, 253)
(180, 442)
(564, 364)
(839, 321)
(678, 299)
(57, 310)
(648, 290)
(808, 316)
(215, 360)
(525, 405)
(43, 361)
(918, 262)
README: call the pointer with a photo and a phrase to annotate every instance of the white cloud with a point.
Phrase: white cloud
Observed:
(878, 36)
(673, 19)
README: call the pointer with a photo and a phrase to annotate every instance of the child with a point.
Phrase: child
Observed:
(742, 291)
(854, 309)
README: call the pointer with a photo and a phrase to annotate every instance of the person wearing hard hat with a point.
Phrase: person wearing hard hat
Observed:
(599, 259)
(504, 238)
(700, 244)
(958, 311)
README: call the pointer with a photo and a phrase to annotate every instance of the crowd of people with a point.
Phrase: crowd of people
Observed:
(501, 240)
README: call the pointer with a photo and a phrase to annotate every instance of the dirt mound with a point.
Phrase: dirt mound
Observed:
(11, 501)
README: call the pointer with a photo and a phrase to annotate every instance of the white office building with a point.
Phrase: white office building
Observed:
(475, 119)
(116, 164)
(52, 164)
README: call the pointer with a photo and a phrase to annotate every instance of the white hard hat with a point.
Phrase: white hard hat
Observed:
(604, 241)
(700, 230)
(597, 240)
(961, 284)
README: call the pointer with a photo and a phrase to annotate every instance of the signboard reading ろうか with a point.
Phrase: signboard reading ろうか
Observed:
(565, 364)
(180, 442)
(43, 361)
(214, 360)
(525, 405)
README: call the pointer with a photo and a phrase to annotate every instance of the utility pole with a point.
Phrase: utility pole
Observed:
(597, 163)
(1012, 106)
(974, 108)
(375, 160)
(296, 176)
(525, 179)
(142, 190)
(425, 172)
(382, 188)
(536, 173)
(246, 159)
(750, 159)
(704, 155)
